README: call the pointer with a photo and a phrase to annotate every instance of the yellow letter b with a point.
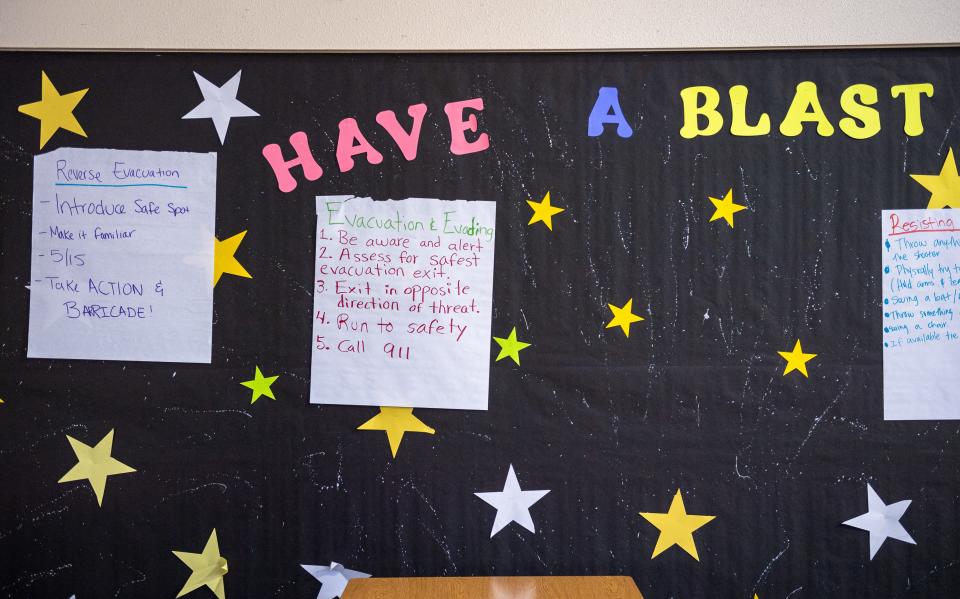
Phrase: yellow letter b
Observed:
(692, 111)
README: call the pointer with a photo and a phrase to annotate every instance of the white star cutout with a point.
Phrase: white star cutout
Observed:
(333, 578)
(882, 521)
(513, 504)
(219, 104)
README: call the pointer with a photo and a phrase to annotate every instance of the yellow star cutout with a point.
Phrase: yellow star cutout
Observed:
(54, 111)
(510, 347)
(95, 464)
(944, 188)
(543, 211)
(676, 527)
(224, 261)
(725, 208)
(208, 568)
(796, 359)
(396, 422)
(623, 317)
(260, 385)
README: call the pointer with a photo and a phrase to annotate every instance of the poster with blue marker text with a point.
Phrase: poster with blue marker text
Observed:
(122, 255)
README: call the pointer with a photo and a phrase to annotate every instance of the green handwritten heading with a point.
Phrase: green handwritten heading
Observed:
(448, 224)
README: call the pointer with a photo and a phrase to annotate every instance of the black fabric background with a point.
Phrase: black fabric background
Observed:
(694, 399)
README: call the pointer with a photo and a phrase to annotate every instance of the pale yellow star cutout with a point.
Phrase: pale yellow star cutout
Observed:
(224, 261)
(208, 568)
(676, 527)
(54, 111)
(543, 211)
(623, 317)
(95, 464)
(796, 360)
(944, 188)
(396, 422)
(725, 208)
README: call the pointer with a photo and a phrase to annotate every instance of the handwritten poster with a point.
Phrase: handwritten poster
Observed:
(122, 263)
(402, 302)
(921, 314)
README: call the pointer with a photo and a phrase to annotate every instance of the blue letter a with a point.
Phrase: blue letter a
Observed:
(607, 110)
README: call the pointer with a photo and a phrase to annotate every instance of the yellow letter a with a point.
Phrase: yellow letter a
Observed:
(805, 108)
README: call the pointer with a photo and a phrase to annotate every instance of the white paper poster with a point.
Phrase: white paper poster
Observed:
(921, 320)
(402, 302)
(122, 263)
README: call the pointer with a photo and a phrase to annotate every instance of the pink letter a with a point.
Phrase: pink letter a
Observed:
(347, 149)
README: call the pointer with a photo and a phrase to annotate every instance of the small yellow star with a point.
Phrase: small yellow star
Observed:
(207, 568)
(95, 464)
(725, 208)
(260, 385)
(623, 317)
(54, 111)
(396, 422)
(224, 261)
(676, 527)
(543, 211)
(944, 188)
(510, 347)
(796, 359)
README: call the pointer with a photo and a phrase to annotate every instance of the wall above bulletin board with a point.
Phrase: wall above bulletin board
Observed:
(687, 317)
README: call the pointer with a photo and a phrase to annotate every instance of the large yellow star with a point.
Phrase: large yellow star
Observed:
(944, 188)
(54, 111)
(796, 359)
(224, 261)
(396, 421)
(623, 317)
(208, 568)
(676, 527)
(543, 211)
(725, 208)
(510, 347)
(95, 464)
(260, 385)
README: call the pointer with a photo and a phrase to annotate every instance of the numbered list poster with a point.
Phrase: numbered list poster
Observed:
(402, 302)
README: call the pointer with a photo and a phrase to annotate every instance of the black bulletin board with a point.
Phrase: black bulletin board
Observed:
(694, 399)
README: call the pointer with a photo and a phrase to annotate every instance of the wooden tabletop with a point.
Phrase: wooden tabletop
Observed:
(497, 587)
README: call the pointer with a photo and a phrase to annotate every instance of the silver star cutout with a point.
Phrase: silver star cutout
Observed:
(513, 504)
(219, 104)
(333, 578)
(882, 521)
